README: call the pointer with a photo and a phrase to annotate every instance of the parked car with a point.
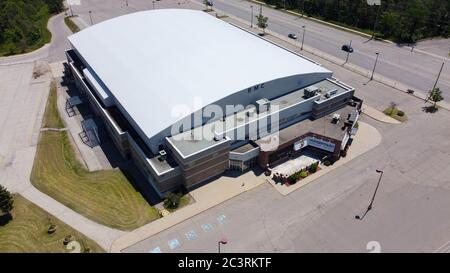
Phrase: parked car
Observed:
(292, 36)
(347, 48)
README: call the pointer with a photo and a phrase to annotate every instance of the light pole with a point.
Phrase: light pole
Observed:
(303, 39)
(376, 20)
(90, 16)
(373, 197)
(221, 242)
(375, 66)
(153, 4)
(348, 52)
(251, 20)
(70, 7)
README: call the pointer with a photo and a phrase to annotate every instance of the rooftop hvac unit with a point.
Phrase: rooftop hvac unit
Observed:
(310, 91)
(218, 136)
(251, 112)
(336, 118)
(331, 93)
(262, 105)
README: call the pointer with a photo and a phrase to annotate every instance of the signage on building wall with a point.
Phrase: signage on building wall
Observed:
(256, 88)
(314, 142)
(300, 144)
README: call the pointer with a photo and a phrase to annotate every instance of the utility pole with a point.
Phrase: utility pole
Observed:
(376, 21)
(70, 7)
(376, 61)
(90, 16)
(348, 52)
(303, 39)
(437, 80)
(251, 20)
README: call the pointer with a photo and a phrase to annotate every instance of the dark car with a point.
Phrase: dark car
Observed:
(292, 36)
(347, 48)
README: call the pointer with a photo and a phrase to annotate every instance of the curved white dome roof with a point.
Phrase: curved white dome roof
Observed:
(153, 60)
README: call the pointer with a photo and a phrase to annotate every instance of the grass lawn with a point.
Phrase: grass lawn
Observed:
(52, 118)
(393, 113)
(106, 197)
(71, 25)
(27, 231)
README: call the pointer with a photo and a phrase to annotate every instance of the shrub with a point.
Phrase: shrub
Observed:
(172, 200)
(400, 113)
(313, 167)
(303, 174)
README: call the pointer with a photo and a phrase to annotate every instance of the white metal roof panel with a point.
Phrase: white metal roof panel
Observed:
(154, 60)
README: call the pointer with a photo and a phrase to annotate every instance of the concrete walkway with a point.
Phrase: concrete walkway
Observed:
(365, 140)
(21, 112)
(206, 197)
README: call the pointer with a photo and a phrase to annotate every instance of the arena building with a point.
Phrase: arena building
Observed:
(154, 76)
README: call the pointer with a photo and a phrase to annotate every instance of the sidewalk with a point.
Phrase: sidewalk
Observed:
(365, 140)
(377, 115)
(22, 111)
(206, 197)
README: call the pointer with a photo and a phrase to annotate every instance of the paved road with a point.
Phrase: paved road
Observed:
(413, 69)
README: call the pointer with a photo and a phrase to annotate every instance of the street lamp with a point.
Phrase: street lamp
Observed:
(376, 20)
(348, 52)
(251, 20)
(70, 7)
(373, 197)
(376, 61)
(222, 242)
(90, 16)
(303, 39)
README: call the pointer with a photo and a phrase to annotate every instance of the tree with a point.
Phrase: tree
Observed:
(435, 96)
(6, 200)
(262, 21)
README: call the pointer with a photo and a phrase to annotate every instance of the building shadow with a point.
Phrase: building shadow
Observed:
(107, 147)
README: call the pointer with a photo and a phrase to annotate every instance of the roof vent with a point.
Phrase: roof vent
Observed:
(162, 155)
(331, 93)
(336, 118)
